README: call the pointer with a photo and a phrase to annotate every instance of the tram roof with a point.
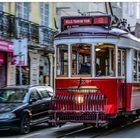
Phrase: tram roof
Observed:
(96, 31)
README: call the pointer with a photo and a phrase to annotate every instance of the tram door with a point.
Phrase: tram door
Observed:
(122, 74)
(121, 62)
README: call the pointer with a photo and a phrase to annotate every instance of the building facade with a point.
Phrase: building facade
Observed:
(127, 10)
(30, 27)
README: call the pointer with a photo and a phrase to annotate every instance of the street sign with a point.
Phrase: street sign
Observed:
(20, 52)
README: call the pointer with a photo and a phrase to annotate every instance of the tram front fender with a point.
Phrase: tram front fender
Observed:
(110, 109)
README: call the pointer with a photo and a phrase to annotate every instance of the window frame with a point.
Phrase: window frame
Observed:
(43, 14)
(113, 46)
(137, 60)
(31, 91)
(2, 6)
(138, 10)
(21, 11)
(92, 64)
(57, 63)
(121, 62)
(71, 69)
(41, 91)
(131, 9)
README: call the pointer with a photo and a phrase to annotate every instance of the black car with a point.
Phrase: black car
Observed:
(24, 106)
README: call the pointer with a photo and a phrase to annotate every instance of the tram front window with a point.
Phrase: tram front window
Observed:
(81, 59)
(105, 60)
(62, 60)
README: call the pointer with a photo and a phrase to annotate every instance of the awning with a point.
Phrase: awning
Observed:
(6, 46)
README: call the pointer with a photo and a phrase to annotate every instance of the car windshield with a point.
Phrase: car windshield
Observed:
(12, 95)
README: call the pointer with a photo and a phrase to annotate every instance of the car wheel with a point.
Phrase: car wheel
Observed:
(25, 124)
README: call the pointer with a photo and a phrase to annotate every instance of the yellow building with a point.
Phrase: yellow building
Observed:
(31, 26)
(31, 10)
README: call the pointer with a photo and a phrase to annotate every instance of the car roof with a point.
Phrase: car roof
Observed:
(15, 87)
(25, 86)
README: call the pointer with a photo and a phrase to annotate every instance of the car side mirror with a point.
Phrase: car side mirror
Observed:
(33, 100)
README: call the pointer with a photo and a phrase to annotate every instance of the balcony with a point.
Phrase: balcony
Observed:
(15, 27)
(35, 33)
(46, 35)
(7, 25)
(27, 29)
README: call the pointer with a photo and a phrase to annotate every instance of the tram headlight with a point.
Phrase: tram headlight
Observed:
(79, 99)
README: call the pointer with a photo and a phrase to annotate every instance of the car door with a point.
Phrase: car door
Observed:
(36, 104)
(46, 100)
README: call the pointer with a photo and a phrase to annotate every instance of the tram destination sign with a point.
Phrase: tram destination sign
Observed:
(69, 22)
(80, 21)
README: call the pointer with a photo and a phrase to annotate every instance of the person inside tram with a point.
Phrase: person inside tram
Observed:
(85, 69)
(111, 73)
(98, 70)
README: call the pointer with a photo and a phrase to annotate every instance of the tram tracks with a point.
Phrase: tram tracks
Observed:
(92, 132)
(75, 132)
(114, 129)
(71, 130)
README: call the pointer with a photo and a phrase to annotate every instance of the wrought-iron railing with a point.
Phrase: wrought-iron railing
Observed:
(7, 25)
(12, 26)
(28, 30)
(23, 28)
(35, 32)
(47, 35)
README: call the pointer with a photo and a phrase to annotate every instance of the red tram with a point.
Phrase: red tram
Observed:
(97, 72)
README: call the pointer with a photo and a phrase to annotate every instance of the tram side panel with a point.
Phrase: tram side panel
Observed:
(113, 89)
(128, 96)
(121, 87)
(134, 97)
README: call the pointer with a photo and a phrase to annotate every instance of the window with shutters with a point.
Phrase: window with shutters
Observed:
(23, 10)
(44, 12)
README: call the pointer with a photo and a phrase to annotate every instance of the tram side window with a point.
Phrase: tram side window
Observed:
(121, 62)
(136, 66)
(81, 59)
(62, 60)
(105, 60)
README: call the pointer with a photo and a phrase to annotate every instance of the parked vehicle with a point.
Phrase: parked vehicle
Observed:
(24, 106)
